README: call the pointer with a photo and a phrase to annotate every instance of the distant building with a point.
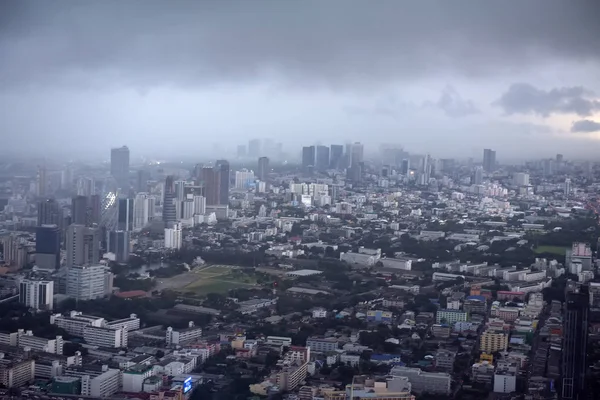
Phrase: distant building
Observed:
(263, 169)
(82, 245)
(47, 247)
(89, 282)
(183, 336)
(119, 166)
(421, 382)
(174, 237)
(119, 243)
(489, 160)
(37, 294)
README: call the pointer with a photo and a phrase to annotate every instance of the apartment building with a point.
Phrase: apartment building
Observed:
(322, 345)
(26, 339)
(103, 336)
(131, 324)
(96, 380)
(451, 317)
(492, 341)
(183, 336)
(16, 373)
(76, 322)
(430, 382)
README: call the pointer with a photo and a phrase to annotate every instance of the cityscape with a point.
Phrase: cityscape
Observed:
(362, 264)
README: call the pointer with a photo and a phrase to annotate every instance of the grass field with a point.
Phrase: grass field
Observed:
(218, 279)
(558, 250)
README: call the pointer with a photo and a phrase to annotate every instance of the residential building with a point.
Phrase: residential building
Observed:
(430, 382)
(89, 282)
(102, 336)
(82, 245)
(76, 322)
(450, 317)
(47, 247)
(444, 360)
(26, 339)
(174, 237)
(37, 294)
(492, 341)
(183, 336)
(16, 373)
(322, 345)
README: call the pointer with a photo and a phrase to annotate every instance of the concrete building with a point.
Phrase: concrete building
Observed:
(37, 294)
(133, 378)
(322, 345)
(26, 339)
(430, 382)
(76, 323)
(16, 373)
(505, 377)
(183, 336)
(144, 206)
(174, 237)
(82, 245)
(131, 324)
(444, 360)
(492, 341)
(450, 317)
(103, 336)
(89, 282)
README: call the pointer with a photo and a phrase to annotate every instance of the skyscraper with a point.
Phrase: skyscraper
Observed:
(95, 209)
(478, 176)
(263, 169)
(89, 282)
(119, 243)
(173, 237)
(224, 177)
(308, 156)
(125, 215)
(241, 151)
(42, 183)
(243, 179)
(143, 210)
(119, 166)
(82, 245)
(47, 247)
(169, 208)
(574, 349)
(322, 158)
(79, 210)
(49, 212)
(336, 156)
(211, 183)
(489, 160)
(358, 152)
(254, 147)
(567, 188)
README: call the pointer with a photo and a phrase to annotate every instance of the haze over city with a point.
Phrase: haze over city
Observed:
(183, 79)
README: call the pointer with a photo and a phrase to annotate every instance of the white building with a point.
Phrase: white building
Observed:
(26, 339)
(102, 336)
(183, 336)
(199, 205)
(430, 382)
(143, 210)
(103, 385)
(174, 237)
(75, 323)
(243, 179)
(37, 294)
(396, 263)
(521, 179)
(131, 324)
(89, 282)
(134, 377)
(505, 377)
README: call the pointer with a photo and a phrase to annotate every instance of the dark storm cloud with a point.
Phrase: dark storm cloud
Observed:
(522, 98)
(585, 125)
(331, 43)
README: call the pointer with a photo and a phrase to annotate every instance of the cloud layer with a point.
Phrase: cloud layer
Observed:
(586, 125)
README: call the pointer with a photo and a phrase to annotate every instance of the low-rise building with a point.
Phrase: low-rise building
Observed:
(183, 336)
(102, 336)
(430, 382)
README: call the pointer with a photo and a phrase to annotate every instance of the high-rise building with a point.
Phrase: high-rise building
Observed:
(119, 243)
(322, 158)
(405, 167)
(199, 205)
(574, 349)
(169, 208)
(119, 166)
(263, 169)
(89, 282)
(224, 181)
(358, 153)
(49, 212)
(174, 237)
(243, 179)
(47, 247)
(521, 179)
(86, 186)
(489, 160)
(42, 183)
(179, 190)
(254, 148)
(79, 210)
(82, 245)
(336, 155)
(567, 189)
(94, 209)
(142, 180)
(211, 182)
(37, 294)
(241, 151)
(125, 215)
(478, 176)
(308, 156)
(143, 210)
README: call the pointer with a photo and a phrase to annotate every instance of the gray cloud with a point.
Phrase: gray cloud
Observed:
(523, 98)
(452, 103)
(146, 43)
(585, 125)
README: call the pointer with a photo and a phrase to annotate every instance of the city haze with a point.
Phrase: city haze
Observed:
(188, 78)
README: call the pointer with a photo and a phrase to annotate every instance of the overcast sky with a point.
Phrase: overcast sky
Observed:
(171, 78)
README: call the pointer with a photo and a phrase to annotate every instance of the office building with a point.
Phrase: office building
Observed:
(119, 166)
(241, 151)
(322, 345)
(15, 251)
(89, 282)
(119, 243)
(308, 156)
(169, 208)
(405, 167)
(489, 160)
(82, 245)
(263, 169)
(105, 336)
(520, 179)
(179, 190)
(86, 186)
(575, 338)
(199, 205)
(492, 341)
(430, 382)
(243, 179)
(336, 155)
(174, 237)
(143, 210)
(37, 294)
(49, 212)
(212, 184)
(505, 377)
(79, 210)
(322, 158)
(224, 172)
(47, 247)
(183, 336)
(567, 187)
(478, 176)
(97, 381)
(125, 214)
(444, 360)
(94, 209)
(254, 148)
(42, 183)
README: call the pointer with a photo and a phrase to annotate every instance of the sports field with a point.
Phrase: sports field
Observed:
(558, 250)
(218, 279)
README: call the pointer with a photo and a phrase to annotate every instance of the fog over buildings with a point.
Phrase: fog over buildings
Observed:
(181, 79)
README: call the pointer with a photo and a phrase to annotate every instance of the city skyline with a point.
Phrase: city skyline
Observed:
(436, 82)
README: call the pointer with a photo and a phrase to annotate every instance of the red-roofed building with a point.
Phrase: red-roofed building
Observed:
(132, 294)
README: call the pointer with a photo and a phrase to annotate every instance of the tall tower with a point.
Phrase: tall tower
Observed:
(49, 212)
(223, 172)
(42, 184)
(308, 156)
(336, 155)
(489, 160)
(119, 166)
(79, 210)
(322, 158)
(82, 245)
(125, 215)
(263, 168)
(574, 349)
(169, 208)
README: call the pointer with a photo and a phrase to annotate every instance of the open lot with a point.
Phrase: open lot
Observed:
(218, 279)
(558, 250)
